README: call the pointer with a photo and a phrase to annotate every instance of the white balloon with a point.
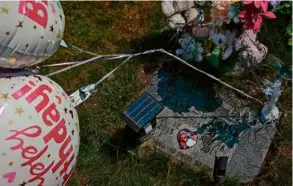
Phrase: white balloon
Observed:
(39, 132)
(30, 31)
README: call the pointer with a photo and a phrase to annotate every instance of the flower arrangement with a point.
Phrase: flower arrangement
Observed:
(216, 40)
(253, 14)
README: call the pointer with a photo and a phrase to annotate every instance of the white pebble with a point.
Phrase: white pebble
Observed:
(180, 6)
(167, 7)
(175, 20)
(191, 14)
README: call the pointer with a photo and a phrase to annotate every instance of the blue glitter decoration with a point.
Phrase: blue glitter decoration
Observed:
(180, 94)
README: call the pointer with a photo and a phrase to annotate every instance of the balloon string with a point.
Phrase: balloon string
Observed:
(78, 62)
(61, 64)
(111, 72)
(107, 57)
(73, 66)
(129, 56)
(212, 77)
(126, 60)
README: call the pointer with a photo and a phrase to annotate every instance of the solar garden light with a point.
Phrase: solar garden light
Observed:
(139, 115)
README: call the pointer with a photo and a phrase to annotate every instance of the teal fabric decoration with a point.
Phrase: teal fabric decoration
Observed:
(180, 94)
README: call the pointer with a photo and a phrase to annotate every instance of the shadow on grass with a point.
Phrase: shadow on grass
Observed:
(125, 141)
(155, 40)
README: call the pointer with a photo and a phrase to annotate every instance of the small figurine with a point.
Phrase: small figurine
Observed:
(224, 40)
(270, 112)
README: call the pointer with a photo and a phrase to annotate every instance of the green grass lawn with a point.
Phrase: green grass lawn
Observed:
(121, 27)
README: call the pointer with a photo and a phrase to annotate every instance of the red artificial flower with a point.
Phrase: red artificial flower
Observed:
(254, 13)
(257, 4)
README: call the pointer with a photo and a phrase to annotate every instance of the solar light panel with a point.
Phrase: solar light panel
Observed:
(139, 114)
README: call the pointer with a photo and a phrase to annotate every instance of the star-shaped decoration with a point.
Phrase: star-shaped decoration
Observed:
(49, 155)
(51, 28)
(71, 113)
(60, 17)
(10, 163)
(42, 37)
(64, 95)
(38, 77)
(27, 45)
(4, 96)
(58, 99)
(5, 10)
(10, 122)
(7, 33)
(23, 183)
(12, 60)
(53, 8)
(65, 110)
(35, 27)
(19, 111)
(72, 132)
(20, 24)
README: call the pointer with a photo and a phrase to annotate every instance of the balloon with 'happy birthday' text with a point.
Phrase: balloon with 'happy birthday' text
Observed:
(30, 31)
(39, 132)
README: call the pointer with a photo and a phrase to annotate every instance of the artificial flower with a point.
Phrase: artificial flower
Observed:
(254, 13)
(257, 4)
(233, 14)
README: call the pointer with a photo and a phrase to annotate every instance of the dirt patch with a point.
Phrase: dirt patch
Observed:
(83, 181)
(142, 79)
(133, 22)
(110, 130)
(286, 151)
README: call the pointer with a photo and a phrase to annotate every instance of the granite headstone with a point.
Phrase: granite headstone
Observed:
(200, 123)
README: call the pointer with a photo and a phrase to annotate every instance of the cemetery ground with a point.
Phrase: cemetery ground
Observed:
(128, 27)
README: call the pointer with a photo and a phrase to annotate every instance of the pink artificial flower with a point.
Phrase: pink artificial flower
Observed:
(254, 13)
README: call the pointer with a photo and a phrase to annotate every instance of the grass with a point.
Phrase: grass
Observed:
(122, 27)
